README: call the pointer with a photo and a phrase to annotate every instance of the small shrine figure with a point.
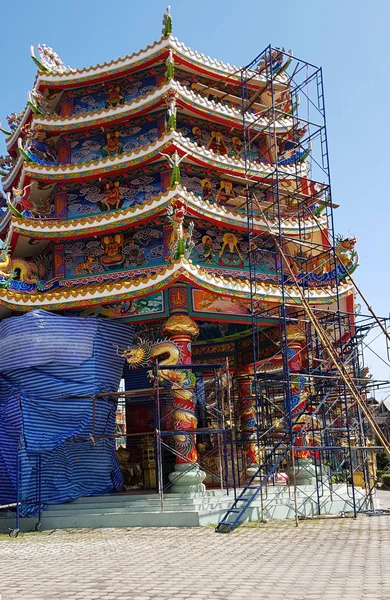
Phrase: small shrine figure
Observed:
(170, 64)
(216, 143)
(229, 245)
(112, 246)
(115, 96)
(175, 161)
(167, 22)
(180, 242)
(206, 189)
(170, 100)
(225, 192)
(113, 196)
(197, 135)
(113, 146)
(236, 147)
(208, 250)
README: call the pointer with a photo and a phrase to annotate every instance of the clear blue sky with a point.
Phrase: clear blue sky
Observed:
(348, 38)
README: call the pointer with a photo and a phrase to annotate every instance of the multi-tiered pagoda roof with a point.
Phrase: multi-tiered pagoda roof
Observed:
(100, 154)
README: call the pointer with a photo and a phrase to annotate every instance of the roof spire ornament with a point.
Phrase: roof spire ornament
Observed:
(48, 60)
(167, 22)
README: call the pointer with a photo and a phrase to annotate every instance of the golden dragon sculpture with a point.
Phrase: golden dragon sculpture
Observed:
(181, 382)
(4, 261)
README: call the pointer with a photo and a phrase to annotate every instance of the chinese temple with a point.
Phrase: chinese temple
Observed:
(178, 209)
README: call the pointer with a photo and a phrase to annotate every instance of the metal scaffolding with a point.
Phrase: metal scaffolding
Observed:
(311, 413)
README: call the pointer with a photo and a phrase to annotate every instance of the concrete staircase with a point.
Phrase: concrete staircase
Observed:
(178, 510)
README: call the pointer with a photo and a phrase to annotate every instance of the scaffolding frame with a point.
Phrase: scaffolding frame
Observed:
(332, 426)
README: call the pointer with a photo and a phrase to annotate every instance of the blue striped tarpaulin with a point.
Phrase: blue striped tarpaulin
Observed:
(47, 364)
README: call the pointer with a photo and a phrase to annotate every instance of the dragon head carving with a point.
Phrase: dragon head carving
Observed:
(137, 356)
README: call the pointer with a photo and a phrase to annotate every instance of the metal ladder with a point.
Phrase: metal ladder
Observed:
(233, 517)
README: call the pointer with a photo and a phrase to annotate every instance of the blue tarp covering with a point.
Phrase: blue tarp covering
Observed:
(47, 363)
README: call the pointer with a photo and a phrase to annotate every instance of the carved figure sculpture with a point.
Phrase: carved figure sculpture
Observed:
(13, 120)
(38, 103)
(236, 147)
(48, 60)
(19, 201)
(180, 381)
(6, 164)
(197, 135)
(180, 242)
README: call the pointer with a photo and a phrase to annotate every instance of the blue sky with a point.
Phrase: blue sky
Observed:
(348, 38)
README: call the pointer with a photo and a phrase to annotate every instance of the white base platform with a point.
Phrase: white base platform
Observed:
(186, 510)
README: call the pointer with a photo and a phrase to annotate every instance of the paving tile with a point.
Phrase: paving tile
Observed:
(328, 559)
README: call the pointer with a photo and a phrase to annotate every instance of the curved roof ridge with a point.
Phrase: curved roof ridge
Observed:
(181, 268)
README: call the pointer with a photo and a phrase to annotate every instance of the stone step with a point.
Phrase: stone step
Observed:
(180, 510)
(101, 520)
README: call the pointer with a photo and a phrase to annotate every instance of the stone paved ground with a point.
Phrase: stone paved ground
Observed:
(325, 559)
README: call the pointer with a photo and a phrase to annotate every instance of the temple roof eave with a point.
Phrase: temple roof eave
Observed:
(137, 287)
(84, 226)
(144, 154)
(192, 100)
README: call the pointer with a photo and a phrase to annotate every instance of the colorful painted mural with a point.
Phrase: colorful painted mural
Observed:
(139, 248)
(106, 95)
(207, 302)
(221, 248)
(104, 144)
(109, 195)
(220, 140)
(150, 305)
